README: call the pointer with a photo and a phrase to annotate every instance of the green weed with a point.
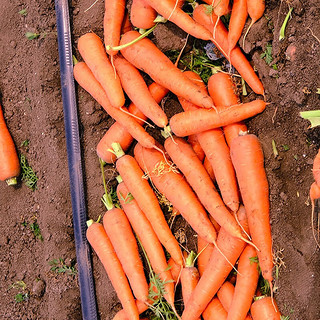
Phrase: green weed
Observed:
(59, 266)
(267, 54)
(28, 176)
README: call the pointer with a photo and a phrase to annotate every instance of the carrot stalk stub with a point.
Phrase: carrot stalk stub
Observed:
(247, 158)
(9, 161)
(161, 69)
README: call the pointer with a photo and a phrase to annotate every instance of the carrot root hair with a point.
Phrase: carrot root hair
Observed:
(244, 38)
(316, 239)
(242, 228)
(173, 10)
(134, 116)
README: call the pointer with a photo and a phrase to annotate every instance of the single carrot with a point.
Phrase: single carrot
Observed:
(120, 233)
(190, 122)
(118, 133)
(247, 158)
(194, 143)
(137, 90)
(9, 161)
(101, 244)
(170, 10)
(316, 168)
(121, 315)
(255, 10)
(204, 252)
(175, 188)
(208, 19)
(139, 187)
(93, 53)
(86, 80)
(246, 284)
(175, 270)
(112, 22)
(216, 271)
(214, 311)
(187, 161)
(126, 24)
(214, 146)
(207, 165)
(237, 21)
(314, 195)
(189, 277)
(265, 309)
(223, 92)
(148, 238)
(142, 15)
(161, 69)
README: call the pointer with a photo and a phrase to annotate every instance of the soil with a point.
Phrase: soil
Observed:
(31, 99)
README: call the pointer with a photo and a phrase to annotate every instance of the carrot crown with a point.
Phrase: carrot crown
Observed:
(106, 198)
(11, 181)
(191, 259)
(117, 149)
(119, 179)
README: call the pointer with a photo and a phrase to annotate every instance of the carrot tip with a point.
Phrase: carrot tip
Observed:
(11, 181)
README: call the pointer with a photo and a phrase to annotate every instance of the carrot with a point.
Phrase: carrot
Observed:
(214, 146)
(189, 277)
(86, 80)
(161, 69)
(247, 158)
(265, 309)
(148, 238)
(204, 16)
(93, 53)
(216, 271)
(118, 133)
(214, 311)
(121, 236)
(255, 10)
(126, 24)
(316, 168)
(137, 90)
(237, 21)
(121, 315)
(187, 161)
(112, 23)
(142, 15)
(171, 11)
(190, 122)
(207, 165)
(204, 252)
(194, 143)
(175, 270)
(10, 166)
(246, 285)
(101, 244)
(314, 194)
(225, 295)
(176, 190)
(222, 90)
(139, 187)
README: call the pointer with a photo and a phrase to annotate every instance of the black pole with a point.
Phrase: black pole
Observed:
(87, 292)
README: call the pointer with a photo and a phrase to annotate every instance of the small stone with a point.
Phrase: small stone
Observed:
(273, 73)
(309, 161)
(38, 288)
(281, 80)
(291, 39)
(291, 52)
(298, 169)
(76, 11)
(68, 262)
(283, 196)
(13, 44)
(299, 97)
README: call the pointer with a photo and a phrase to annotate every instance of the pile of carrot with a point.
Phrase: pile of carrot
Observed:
(209, 169)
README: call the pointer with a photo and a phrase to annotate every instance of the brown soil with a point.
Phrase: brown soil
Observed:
(31, 98)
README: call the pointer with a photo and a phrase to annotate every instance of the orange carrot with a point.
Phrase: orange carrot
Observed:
(194, 143)
(189, 277)
(265, 309)
(118, 133)
(121, 236)
(204, 252)
(222, 91)
(225, 295)
(93, 53)
(216, 271)
(247, 158)
(9, 161)
(148, 238)
(137, 90)
(112, 22)
(237, 58)
(207, 165)
(171, 11)
(175, 270)
(255, 10)
(214, 311)
(86, 80)
(190, 122)
(237, 21)
(316, 168)
(175, 188)
(142, 15)
(314, 194)
(121, 315)
(139, 187)
(161, 69)
(246, 285)
(126, 24)
(101, 244)
(187, 161)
